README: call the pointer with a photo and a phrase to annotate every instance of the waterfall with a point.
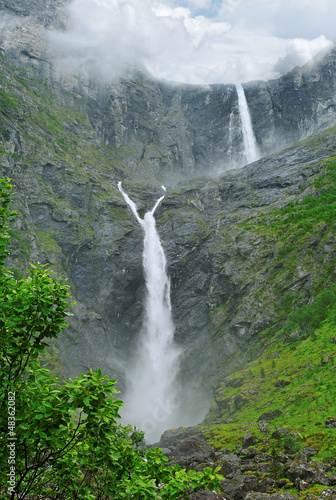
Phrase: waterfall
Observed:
(231, 138)
(251, 149)
(151, 400)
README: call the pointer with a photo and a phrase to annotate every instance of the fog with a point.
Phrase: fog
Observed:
(196, 41)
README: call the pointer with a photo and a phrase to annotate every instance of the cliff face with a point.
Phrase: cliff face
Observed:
(66, 140)
(178, 132)
(164, 131)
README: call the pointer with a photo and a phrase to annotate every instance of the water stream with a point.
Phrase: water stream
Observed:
(152, 398)
(250, 145)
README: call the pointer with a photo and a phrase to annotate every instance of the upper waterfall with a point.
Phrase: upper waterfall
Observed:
(251, 149)
(151, 398)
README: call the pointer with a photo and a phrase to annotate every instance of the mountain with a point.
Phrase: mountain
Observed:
(245, 245)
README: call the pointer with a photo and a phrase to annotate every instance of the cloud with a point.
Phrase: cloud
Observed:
(230, 41)
(299, 51)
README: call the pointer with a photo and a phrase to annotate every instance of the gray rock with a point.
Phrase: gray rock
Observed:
(166, 451)
(238, 486)
(195, 448)
(302, 485)
(249, 453)
(171, 437)
(229, 465)
(330, 422)
(234, 382)
(269, 415)
(280, 384)
(208, 495)
(270, 496)
(329, 493)
(309, 473)
(248, 440)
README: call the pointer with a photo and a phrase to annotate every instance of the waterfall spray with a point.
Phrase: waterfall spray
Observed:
(251, 149)
(231, 137)
(151, 400)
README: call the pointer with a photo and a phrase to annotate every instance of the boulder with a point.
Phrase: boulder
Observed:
(330, 422)
(263, 428)
(270, 496)
(230, 465)
(312, 474)
(249, 452)
(234, 382)
(281, 383)
(194, 448)
(172, 437)
(248, 440)
(306, 454)
(239, 485)
(328, 494)
(302, 485)
(270, 415)
(208, 495)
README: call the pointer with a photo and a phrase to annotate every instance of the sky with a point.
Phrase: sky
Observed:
(200, 41)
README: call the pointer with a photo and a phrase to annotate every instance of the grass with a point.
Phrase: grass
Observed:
(308, 365)
(301, 347)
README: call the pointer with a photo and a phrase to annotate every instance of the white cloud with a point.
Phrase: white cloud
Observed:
(245, 40)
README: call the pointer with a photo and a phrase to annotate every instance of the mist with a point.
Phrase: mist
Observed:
(199, 42)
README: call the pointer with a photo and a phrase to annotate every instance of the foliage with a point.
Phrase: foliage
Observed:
(63, 439)
(307, 362)
(276, 467)
(312, 315)
(303, 217)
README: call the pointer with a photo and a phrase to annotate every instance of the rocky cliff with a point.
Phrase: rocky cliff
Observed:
(67, 139)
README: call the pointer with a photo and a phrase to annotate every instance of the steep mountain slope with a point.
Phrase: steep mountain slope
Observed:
(67, 139)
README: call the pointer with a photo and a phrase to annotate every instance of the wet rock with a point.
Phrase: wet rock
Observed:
(263, 428)
(249, 453)
(281, 383)
(166, 451)
(330, 422)
(234, 382)
(208, 495)
(239, 485)
(327, 494)
(171, 437)
(270, 415)
(193, 449)
(248, 440)
(270, 496)
(306, 454)
(302, 485)
(230, 465)
(309, 473)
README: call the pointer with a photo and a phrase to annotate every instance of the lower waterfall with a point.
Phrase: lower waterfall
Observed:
(152, 398)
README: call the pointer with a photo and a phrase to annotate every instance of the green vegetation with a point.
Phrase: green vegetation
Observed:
(63, 438)
(293, 370)
(7, 102)
(316, 207)
(306, 398)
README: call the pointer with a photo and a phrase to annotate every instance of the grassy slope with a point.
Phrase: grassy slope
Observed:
(303, 351)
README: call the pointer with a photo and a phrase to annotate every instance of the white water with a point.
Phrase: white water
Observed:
(231, 137)
(151, 400)
(251, 149)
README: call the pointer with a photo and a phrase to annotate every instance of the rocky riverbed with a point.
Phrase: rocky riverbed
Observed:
(256, 470)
